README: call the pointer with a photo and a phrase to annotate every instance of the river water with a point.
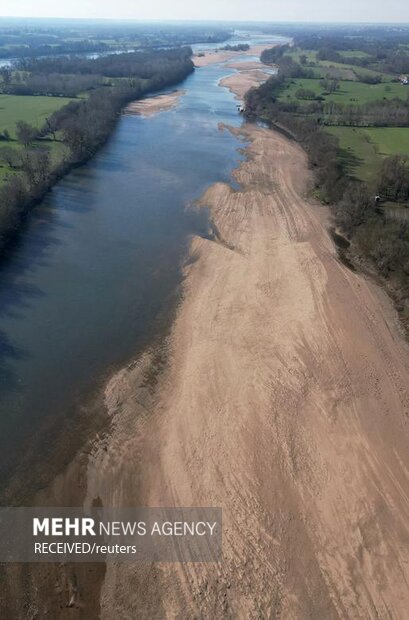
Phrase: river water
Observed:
(98, 261)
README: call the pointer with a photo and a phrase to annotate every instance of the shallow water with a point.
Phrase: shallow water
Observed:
(99, 259)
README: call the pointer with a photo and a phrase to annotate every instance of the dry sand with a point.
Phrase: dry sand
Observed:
(210, 58)
(239, 83)
(285, 401)
(153, 105)
(216, 56)
(246, 75)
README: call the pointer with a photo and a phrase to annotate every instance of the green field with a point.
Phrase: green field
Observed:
(363, 148)
(295, 53)
(346, 71)
(33, 110)
(389, 140)
(57, 151)
(327, 64)
(354, 54)
(349, 92)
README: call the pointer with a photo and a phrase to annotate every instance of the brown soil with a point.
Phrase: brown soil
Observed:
(154, 105)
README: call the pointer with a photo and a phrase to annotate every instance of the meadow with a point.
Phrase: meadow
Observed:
(346, 70)
(31, 109)
(364, 148)
(349, 92)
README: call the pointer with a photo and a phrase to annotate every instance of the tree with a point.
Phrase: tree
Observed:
(5, 75)
(36, 166)
(305, 93)
(354, 207)
(10, 156)
(393, 181)
(51, 126)
(330, 85)
(25, 132)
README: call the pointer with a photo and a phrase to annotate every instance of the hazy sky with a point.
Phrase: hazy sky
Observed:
(258, 10)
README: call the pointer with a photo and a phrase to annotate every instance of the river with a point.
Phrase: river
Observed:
(99, 261)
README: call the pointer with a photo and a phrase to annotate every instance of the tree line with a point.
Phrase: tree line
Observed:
(82, 126)
(373, 234)
(143, 64)
(240, 47)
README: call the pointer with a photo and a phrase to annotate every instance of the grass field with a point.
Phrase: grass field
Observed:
(363, 148)
(347, 71)
(57, 152)
(349, 92)
(354, 54)
(33, 110)
(389, 140)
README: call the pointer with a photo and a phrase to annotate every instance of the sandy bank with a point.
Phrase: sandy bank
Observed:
(212, 57)
(246, 75)
(216, 56)
(154, 105)
(285, 401)
(239, 83)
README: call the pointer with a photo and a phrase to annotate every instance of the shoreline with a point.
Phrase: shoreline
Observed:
(152, 105)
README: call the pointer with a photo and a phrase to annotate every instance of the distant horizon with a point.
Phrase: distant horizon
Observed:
(204, 20)
(240, 11)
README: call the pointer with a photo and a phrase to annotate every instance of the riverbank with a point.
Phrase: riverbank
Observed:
(154, 105)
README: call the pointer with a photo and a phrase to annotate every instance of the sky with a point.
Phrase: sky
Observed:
(229, 10)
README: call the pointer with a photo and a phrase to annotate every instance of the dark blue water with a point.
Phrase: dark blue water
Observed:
(99, 259)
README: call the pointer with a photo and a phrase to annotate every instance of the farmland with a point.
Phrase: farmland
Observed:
(348, 91)
(362, 149)
(369, 117)
(33, 110)
(345, 70)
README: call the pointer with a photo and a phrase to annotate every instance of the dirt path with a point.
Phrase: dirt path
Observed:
(285, 402)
